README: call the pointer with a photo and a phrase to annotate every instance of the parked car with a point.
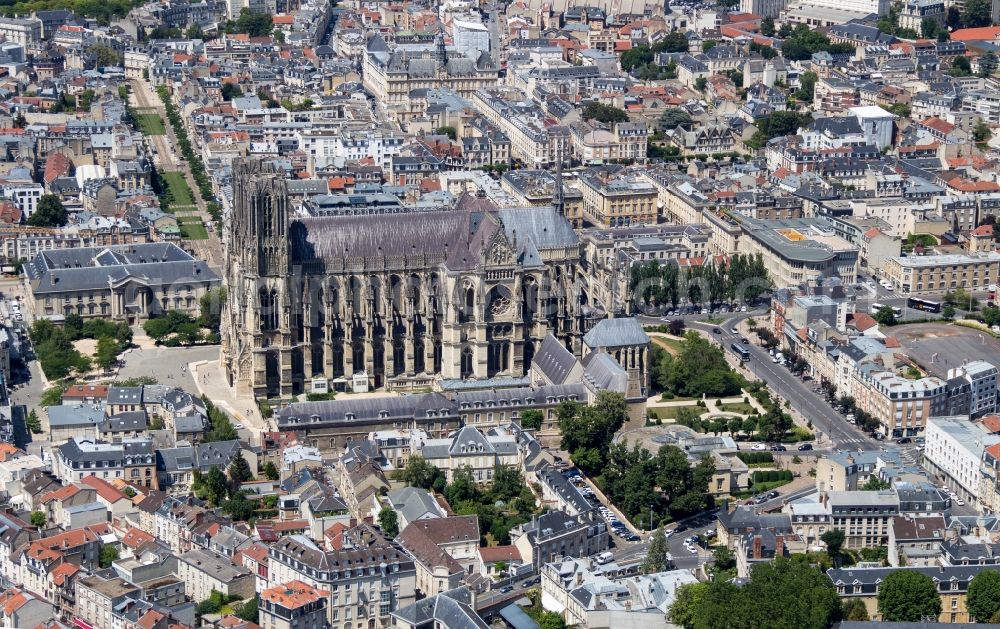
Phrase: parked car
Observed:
(903, 440)
(632, 537)
(772, 495)
(805, 447)
(959, 502)
(505, 590)
(778, 448)
(760, 446)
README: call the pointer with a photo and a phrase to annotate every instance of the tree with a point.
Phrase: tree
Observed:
(49, 212)
(215, 485)
(239, 470)
(194, 32)
(109, 554)
(230, 91)
(105, 55)
(38, 518)
(687, 601)
(33, 423)
(106, 353)
(271, 471)
(875, 484)
(988, 64)
(767, 27)
(981, 132)
(551, 620)
(885, 316)
(419, 473)
(448, 131)
(908, 596)
(604, 113)
(787, 592)
(210, 307)
(253, 24)
(977, 13)
(673, 42)
(675, 117)
(239, 507)
(247, 610)
(834, 540)
(656, 557)
(531, 419)
(948, 312)
(854, 609)
(929, 28)
(983, 598)
(807, 86)
(960, 67)
(388, 521)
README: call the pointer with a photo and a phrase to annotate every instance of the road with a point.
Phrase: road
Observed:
(809, 404)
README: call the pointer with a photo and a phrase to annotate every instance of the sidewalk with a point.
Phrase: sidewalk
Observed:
(211, 382)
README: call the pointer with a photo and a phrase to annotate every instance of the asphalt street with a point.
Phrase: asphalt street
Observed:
(811, 405)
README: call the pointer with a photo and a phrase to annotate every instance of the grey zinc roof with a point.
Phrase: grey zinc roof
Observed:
(554, 360)
(604, 372)
(364, 409)
(469, 439)
(616, 333)
(544, 227)
(414, 503)
(157, 264)
(449, 610)
(66, 416)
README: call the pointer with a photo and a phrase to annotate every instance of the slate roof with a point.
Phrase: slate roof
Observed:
(616, 333)
(553, 360)
(414, 503)
(66, 416)
(452, 609)
(61, 270)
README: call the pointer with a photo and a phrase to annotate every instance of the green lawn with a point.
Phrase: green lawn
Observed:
(194, 231)
(737, 407)
(178, 191)
(671, 345)
(150, 124)
(670, 412)
(189, 218)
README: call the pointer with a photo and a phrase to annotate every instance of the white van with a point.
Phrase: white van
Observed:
(605, 557)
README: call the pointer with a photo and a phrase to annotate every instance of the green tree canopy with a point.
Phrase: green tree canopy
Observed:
(885, 316)
(49, 212)
(388, 521)
(656, 557)
(908, 596)
(531, 419)
(604, 113)
(418, 472)
(983, 598)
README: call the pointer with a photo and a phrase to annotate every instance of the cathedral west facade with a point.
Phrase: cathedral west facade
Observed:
(405, 299)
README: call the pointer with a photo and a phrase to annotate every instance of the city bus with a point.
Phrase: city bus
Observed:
(741, 351)
(923, 304)
(896, 310)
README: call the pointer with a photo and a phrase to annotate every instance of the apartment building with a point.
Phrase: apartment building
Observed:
(24, 31)
(616, 198)
(864, 516)
(848, 471)
(203, 571)
(954, 453)
(368, 578)
(557, 533)
(942, 273)
(980, 377)
(130, 459)
(595, 144)
(97, 598)
(293, 605)
(902, 406)
(533, 142)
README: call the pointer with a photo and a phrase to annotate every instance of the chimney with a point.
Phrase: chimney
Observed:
(779, 546)
(757, 554)
(579, 578)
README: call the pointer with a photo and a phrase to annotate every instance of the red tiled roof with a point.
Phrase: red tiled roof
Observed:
(983, 230)
(104, 489)
(493, 554)
(976, 34)
(863, 321)
(991, 423)
(939, 125)
(135, 538)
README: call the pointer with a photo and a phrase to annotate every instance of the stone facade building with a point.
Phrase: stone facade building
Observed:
(398, 299)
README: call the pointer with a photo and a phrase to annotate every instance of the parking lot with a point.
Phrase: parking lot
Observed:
(938, 347)
(615, 525)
